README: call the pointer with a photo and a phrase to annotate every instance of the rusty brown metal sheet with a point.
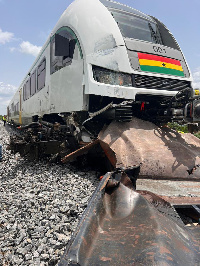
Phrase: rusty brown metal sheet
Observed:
(162, 152)
(83, 150)
(109, 153)
(121, 227)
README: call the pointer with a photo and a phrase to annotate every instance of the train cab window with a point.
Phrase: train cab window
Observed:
(167, 37)
(33, 83)
(41, 75)
(136, 27)
(64, 48)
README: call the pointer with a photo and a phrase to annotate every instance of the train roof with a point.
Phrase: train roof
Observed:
(119, 6)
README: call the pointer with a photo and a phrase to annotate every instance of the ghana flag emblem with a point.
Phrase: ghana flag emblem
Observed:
(159, 64)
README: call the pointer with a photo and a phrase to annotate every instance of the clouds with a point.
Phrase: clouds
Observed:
(7, 89)
(28, 48)
(196, 77)
(6, 36)
(8, 41)
(24, 47)
(6, 93)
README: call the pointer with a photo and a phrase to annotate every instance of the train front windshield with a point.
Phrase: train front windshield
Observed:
(135, 27)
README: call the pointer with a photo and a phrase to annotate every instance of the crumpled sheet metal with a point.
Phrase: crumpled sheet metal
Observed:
(162, 152)
(121, 227)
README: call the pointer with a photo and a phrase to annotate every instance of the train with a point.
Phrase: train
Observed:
(103, 61)
(108, 64)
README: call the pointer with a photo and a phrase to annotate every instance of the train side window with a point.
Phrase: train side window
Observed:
(24, 92)
(63, 45)
(28, 88)
(33, 83)
(41, 74)
(16, 109)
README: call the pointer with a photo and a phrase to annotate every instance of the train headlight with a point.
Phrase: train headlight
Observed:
(107, 76)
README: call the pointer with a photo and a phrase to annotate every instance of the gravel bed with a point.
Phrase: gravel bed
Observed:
(40, 206)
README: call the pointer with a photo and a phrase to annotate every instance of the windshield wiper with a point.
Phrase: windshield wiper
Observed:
(154, 34)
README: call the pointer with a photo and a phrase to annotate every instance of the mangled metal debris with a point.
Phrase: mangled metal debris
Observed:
(124, 227)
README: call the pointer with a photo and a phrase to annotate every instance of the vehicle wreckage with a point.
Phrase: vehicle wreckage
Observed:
(107, 81)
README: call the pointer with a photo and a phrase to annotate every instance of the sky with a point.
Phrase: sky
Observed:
(25, 26)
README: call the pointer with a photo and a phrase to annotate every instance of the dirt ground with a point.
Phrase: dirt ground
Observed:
(170, 188)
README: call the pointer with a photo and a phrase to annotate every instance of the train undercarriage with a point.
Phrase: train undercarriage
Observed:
(57, 135)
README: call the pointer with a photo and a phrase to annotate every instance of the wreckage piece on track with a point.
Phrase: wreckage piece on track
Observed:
(121, 227)
(162, 152)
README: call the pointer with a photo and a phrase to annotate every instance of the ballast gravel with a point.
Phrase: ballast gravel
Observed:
(40, 206)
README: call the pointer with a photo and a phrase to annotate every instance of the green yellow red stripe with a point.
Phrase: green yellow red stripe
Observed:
(159, 58)
(159, 64)
(162, 70)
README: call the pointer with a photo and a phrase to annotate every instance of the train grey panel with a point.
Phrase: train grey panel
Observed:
(134, 46)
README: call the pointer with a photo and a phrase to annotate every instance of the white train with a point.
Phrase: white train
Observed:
(106, 60)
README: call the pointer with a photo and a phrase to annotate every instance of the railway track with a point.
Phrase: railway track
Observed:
(40, 206)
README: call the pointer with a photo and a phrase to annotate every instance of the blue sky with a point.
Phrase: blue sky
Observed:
(25, 26)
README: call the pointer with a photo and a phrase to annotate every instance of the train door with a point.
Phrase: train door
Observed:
(66, 93)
